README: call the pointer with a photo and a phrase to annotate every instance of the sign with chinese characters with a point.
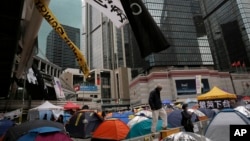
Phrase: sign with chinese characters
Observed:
(112, 9)
(215, 104)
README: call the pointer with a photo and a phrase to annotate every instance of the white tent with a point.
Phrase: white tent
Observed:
(135, 120)
(47, 105)
(243, 110)
(46, 108)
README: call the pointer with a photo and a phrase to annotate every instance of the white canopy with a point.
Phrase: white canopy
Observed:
(39, 111)
(47, 106)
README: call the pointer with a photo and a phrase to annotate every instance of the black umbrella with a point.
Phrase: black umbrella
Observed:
(17, 131)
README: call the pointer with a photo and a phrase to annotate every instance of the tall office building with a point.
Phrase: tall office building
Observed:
(67, 12)
(228, 26)
(104, 42)
(181, 23)
(58, 52)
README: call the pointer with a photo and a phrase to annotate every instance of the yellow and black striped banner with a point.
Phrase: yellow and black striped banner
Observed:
(49, 16)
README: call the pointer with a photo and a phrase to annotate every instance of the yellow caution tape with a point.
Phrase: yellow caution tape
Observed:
(78, 118)
(51, 19)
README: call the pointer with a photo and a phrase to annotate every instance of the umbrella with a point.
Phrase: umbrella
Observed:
(186, 136)
(69, 105)
(17, 131)
(246, 98)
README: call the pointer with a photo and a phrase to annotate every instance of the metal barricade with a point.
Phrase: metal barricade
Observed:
(148, 137)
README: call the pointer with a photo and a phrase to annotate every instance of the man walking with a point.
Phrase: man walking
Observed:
(154, 101)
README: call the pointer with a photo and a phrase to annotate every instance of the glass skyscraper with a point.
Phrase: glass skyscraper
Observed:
(182, 24)
(58, 52)
(228, 27)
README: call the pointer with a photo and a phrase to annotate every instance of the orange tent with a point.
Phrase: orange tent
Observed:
(69, 105)
(111, 129)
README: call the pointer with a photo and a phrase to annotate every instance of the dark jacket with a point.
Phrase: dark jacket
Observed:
(186, 121)
(154, 100)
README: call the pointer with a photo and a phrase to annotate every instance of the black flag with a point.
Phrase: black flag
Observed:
(148, 35)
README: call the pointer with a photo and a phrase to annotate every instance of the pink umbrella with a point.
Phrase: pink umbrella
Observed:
(69, 105)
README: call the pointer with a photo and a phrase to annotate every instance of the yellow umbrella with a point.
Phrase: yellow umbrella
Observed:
(216, 93)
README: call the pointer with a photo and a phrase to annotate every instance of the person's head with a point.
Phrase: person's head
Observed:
(158, 87)
(84, 107)
(185, 106)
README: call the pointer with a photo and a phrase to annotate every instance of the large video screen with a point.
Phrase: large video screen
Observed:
(188, 86)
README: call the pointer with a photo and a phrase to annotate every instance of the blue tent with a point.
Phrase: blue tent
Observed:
(32, 134)
(166, 102)
(5, 125)
(174, 118)
(142, 128)
(219, 128)
(208, 112)
(122, 116)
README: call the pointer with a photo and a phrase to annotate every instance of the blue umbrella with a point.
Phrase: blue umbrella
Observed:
(166, 101)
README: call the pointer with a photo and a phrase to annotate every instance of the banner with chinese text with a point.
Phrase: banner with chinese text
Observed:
(215, 104)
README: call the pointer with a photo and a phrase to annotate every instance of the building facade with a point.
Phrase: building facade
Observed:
(103, 87)
(58, 52)
(228, 27)
(181, 84)
(104, 44)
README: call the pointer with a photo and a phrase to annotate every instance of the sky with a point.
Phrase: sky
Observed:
(67, 12)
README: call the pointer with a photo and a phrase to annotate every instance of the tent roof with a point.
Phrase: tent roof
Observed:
(47, 105)
(118, 130)
(219, 127)
(143, 128)
(216, 93)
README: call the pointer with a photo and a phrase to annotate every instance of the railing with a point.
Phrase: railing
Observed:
(199, 128)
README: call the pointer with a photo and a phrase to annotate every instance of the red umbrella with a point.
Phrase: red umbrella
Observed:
(70, 105)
